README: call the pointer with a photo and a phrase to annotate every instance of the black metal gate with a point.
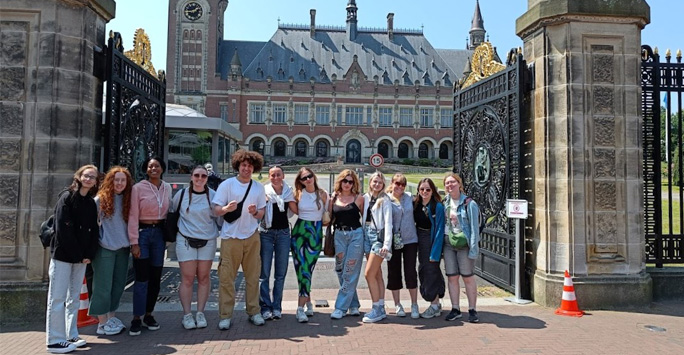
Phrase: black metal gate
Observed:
(135, 112)
(662, 84)
(488, 156)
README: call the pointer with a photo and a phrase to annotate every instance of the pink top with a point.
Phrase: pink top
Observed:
(147, 203)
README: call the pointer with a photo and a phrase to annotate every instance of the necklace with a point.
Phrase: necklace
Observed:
(157, 194)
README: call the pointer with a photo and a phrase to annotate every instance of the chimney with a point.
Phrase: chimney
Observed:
(390, 26)
(312, 30)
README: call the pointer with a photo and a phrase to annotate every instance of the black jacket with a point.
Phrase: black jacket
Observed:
(76, 229)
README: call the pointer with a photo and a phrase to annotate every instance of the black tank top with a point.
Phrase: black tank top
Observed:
(279, 218)
(347, 216)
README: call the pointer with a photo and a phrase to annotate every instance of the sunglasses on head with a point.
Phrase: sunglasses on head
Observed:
(203, 176)
(307, 177)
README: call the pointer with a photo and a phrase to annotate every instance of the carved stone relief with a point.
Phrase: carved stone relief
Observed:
(603, 100)
(604, 195)
(604, 163)
(604, 131)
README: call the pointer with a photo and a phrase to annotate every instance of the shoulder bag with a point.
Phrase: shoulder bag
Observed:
(171, 222)
(231, 217)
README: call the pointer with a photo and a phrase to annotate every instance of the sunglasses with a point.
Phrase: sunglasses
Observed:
(307, 177)
(397, 183)
(350, 182)
(88, 177)
(202, 176)
(425, 189)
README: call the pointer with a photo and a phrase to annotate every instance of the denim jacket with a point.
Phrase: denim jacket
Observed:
(437, 232)
(469, 219)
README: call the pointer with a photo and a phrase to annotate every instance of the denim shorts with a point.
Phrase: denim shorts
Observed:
(456, 261)
(371, 235)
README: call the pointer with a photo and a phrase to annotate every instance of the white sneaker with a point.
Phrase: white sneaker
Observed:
(415, 312)
(224, 324)
(375, 315)
(354, 311)
(189, 322)
(337, 314)
(109, 328)
(277, 314)
(201, 320)
(61, 348)
(301, 315)
(399, 311)
(267, 315)
(257, 319)
(118, 322)
(431, 312)
(309, 309)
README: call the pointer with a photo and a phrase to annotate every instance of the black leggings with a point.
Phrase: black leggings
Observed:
(410, 256)
(429, 273)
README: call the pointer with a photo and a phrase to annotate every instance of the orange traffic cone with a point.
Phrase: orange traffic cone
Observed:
(84, 319)
(569, 302)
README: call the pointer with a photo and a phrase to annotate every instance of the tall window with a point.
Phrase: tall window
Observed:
(279, 113)
(224, 112)
(406, 117)
(301, 114)
(279, 148)
(383, 149)
(423, 151)
(369, 116)
(443, 151)
(426, 117)
(321, 148)
(403, 150)
(323, 115)
(258, 146)
(354, 116)
(300, 148)
(256, 113)
(446, 118)
(385, 116)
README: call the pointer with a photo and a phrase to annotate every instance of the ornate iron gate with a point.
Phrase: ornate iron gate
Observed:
(662, 189)
(488, 155)
(135, 112)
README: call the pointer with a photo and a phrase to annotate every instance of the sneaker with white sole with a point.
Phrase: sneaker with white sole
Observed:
(109, 328)
(150, 323)
(136, 327)
(201, 320)
(454, 315)
(354, 311)
(61, 347)
(301, 315)
(257, 319)
(415, 311)
(472, 316)
(277, 315)
(375, 315)
(118, 322)
(224, 324)
(399, 311)
(78, 341)
(309, 309)
(431, 312)
(383, 312)
(337, 314)
(267, 315)
(189, 322)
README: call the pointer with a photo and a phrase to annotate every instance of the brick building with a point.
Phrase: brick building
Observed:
(316, 92)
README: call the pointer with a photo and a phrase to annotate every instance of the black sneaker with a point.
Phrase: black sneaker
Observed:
(136, 327)
(150, 323)
(61, 348)
(78, 341)
(472, 316)
(454, 314)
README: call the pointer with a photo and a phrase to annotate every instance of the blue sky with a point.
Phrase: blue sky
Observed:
(445, 23)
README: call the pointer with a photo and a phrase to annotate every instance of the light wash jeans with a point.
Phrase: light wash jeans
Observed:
(348, 244)
(66, 280)
(273, 241)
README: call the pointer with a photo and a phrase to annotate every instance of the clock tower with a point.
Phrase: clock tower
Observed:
(195, 31)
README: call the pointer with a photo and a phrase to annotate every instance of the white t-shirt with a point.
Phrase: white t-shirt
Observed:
(232, 189)
(307, 208)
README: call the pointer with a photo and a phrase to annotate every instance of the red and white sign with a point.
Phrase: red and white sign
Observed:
(516, 209)
(376, 160)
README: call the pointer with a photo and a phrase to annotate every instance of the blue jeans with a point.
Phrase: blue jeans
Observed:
(66, 282)
(348, 261)
(148, 269)
(273, 241)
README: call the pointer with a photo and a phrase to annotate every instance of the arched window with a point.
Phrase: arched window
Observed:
(321, 149)
(192, 34)
(383, 149)
(403, 151)
(258, 146)
(423, 151)
(185, 34)
(199, 34)
(443, 151)
(279, 148)
(300, 148)
(353, 151)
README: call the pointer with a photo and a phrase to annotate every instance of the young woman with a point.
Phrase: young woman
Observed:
(307, 236)
(195, 244)
(110, 266)
(150, 200)
(378, 217)
(462, 216)
(428, 212)
(71, 249)
(346, 214)
(404, 224)
(275, 241)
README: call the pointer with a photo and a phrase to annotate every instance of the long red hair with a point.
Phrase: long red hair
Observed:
(106, 192)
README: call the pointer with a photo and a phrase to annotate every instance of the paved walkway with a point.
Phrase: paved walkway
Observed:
(505, 328)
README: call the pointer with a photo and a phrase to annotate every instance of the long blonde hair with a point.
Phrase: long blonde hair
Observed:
(381, 194)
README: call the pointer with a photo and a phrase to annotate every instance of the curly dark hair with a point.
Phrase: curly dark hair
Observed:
(254, 158)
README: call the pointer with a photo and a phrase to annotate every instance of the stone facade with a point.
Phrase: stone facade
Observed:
(50, 109)
(588, 206)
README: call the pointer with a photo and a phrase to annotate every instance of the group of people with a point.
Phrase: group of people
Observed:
(102, 226)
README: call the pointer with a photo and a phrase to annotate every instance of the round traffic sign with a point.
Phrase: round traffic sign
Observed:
(376, 160)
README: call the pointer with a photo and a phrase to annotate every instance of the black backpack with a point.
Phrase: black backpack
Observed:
(47, 228)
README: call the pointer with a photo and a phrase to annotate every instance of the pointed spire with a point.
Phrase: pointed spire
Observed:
(477, 31)
(478, 22)
(235, 64)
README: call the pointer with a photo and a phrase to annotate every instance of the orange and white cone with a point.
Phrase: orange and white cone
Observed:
(84, 319)
(569, 301)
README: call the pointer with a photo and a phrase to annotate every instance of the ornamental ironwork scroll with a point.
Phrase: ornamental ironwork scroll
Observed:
(135, 112)
(488, 156)
(483, 64)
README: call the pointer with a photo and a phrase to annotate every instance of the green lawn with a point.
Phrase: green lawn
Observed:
(676, 208)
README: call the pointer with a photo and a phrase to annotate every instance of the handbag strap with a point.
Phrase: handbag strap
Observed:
(247, 192)
(180, 201)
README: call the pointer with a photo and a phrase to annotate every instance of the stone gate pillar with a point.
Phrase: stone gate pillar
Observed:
(588, 210)
(50, 113)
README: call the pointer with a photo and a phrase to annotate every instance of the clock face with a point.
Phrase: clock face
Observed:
(193, 11)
